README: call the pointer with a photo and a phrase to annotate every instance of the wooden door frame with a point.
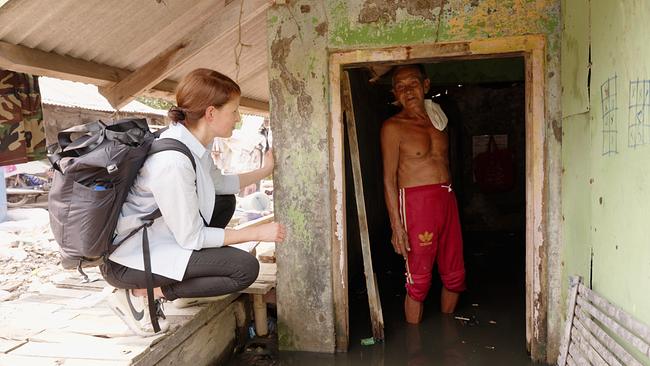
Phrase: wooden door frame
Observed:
(532, 49)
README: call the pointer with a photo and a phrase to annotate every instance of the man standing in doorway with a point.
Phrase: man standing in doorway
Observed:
(417, 186)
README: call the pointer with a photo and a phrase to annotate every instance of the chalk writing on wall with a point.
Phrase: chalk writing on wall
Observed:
(608, 97)
(638, 127)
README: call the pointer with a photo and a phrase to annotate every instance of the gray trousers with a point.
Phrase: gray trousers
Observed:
(210, 272)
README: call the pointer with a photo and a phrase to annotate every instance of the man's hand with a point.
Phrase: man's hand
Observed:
(400, 241)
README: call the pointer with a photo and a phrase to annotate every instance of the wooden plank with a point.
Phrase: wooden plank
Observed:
(89, 351)
(632, 339)
(591, 354)
(596, 344)
(374, 301)
(76, 284)
(53, 361)
(44, 299)
(258, 288)
(639, 329)
(216, 29)
(570, 361)
(577, 354)
(606, 339)
(63, 336)
(95, 325)
(574, 281)
(256, 222)
(7, 345)
(153, 355)
(204, 345)
(63, 292)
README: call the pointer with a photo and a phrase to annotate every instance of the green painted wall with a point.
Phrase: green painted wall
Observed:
(300, 35)
(606, 182)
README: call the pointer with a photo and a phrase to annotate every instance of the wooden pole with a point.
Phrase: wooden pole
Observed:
(374, 302)
(259, 309)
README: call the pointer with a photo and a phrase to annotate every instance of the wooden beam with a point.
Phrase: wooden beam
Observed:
(215, 29)
(36, 62)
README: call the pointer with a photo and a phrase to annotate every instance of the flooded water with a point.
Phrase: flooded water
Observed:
(494, 303)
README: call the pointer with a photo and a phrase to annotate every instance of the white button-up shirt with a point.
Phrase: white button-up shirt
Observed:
(166, 181)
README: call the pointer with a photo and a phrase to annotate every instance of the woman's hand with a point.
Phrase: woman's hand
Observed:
(269, 161)
(273, 231)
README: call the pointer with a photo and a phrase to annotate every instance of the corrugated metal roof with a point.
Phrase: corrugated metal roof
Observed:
(78, 95)
(127, 34)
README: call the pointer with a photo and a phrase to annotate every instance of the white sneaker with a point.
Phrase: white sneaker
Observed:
(185, 302)
(133, 310)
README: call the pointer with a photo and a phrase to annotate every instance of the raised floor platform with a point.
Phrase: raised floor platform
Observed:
(67, 326)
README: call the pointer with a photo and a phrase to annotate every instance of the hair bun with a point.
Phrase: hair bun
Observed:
(176, 114)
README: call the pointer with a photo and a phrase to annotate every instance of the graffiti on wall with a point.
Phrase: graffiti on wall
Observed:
(608, 97)
(638, 114)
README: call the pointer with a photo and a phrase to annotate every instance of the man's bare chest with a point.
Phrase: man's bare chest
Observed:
(420, 141)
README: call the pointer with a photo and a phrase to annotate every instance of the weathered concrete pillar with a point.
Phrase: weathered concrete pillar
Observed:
(299, 119)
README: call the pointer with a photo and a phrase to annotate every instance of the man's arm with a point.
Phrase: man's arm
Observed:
(390, 141)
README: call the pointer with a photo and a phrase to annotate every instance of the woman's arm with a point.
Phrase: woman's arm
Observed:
(265, 232)
(246, 179)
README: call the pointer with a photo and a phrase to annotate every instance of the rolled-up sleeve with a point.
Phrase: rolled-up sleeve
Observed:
(171, 179)
(224, 184)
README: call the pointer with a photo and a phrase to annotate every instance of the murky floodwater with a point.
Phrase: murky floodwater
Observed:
(494, 303)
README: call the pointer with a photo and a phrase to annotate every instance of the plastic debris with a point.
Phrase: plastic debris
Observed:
(471, 321)
(368, 341)
(492, 322)
(490, 347)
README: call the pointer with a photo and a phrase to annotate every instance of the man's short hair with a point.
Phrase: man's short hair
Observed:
(419, 67)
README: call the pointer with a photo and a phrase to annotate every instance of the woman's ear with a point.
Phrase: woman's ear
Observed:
(208, 114)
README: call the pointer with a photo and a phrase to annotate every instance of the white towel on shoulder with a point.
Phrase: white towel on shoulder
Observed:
(436, 115)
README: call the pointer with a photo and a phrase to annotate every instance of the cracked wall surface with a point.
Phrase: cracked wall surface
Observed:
(300, 34)
(606, 152)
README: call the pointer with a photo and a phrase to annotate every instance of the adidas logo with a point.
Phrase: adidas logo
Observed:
(426, 238)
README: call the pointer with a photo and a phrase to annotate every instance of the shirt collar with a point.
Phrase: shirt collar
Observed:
(179, 132)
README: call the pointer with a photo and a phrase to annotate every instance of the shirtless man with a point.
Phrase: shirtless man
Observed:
(421, 204)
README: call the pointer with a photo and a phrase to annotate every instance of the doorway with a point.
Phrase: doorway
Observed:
(514, 230)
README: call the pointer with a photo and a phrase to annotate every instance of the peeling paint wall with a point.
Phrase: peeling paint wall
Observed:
(606, 182)
(299, 35)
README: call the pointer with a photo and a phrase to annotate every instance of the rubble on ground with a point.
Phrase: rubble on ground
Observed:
(29, 255)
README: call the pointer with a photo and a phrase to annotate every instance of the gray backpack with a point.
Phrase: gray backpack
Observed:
(93, 175)
(95, 165)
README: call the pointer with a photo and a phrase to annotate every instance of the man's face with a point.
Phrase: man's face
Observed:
(409, 90)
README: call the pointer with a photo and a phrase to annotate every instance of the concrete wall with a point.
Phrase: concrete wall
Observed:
(606, 161)
(300, 35)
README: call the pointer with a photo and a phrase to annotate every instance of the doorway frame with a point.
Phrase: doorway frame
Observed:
(533, 49)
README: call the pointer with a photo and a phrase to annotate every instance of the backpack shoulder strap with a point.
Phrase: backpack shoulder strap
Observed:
(166, 144)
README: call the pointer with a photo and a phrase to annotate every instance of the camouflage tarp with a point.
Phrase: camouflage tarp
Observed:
(22, 135)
